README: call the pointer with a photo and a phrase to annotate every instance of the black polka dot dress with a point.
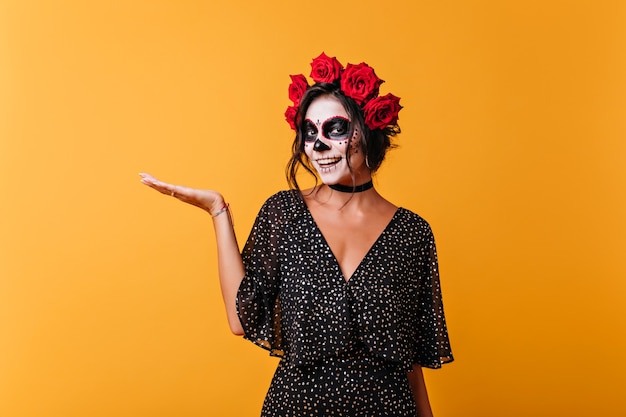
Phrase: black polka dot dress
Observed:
(345, 346)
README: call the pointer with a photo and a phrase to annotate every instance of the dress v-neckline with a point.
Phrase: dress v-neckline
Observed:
(330, 249)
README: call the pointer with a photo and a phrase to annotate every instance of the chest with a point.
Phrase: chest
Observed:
(311, 273)
(350, 238)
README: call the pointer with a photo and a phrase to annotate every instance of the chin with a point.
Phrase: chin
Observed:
(340, 175)
(332, 176)
(342, 181)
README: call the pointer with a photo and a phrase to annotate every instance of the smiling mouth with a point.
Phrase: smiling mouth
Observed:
(328, 162)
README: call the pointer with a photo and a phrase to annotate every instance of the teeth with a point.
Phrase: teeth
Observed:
(327, 161)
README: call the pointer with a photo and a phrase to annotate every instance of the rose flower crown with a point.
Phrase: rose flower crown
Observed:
(359, 82)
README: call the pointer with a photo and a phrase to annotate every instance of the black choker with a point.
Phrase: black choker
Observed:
(351, 189)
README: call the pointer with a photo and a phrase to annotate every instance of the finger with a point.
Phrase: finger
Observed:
(184, 194)
(150, 181)
(166, 188)
(147, 178)
(162, 187)
(180, 192)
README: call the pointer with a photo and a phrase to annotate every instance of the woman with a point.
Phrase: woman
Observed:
(336, 280)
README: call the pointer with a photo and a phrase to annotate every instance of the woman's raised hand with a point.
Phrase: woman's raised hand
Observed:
(230, 265)
(208, 200)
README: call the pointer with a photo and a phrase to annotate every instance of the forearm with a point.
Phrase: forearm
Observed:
(418, 386)
(230, 267)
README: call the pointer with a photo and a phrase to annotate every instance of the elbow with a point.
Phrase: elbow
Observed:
(234, 323)
(236, 328)
(237, 331)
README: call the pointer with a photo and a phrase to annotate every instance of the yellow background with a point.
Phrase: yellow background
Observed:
(512, 147)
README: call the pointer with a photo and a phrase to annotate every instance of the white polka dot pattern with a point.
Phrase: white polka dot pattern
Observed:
(295, 302)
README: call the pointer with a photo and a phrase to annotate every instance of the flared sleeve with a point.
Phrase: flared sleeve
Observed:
(432, 345)
(258, 304)
(397, 302)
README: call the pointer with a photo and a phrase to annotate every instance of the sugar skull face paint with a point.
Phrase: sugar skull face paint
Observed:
(333, 128)
(331, 143)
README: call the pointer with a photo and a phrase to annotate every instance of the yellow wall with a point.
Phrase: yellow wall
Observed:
(512, 147)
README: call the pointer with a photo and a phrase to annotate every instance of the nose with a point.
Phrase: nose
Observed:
(320, 146)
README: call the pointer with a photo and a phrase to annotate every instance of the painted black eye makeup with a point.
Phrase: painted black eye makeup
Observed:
(333, 128)
(336, 128)
(310, 131)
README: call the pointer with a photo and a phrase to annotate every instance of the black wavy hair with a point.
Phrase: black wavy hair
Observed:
(375, 143)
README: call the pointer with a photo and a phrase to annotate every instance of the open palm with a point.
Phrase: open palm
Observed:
(208, 200)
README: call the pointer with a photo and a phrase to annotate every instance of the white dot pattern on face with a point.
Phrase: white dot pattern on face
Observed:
(345, 345)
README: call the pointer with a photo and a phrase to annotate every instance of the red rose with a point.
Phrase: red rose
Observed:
(297, 88)
(290, 116)
(381, 112)
(325, 69)
(360, 83)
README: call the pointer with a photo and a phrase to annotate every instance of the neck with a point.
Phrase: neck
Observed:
(352, 189)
